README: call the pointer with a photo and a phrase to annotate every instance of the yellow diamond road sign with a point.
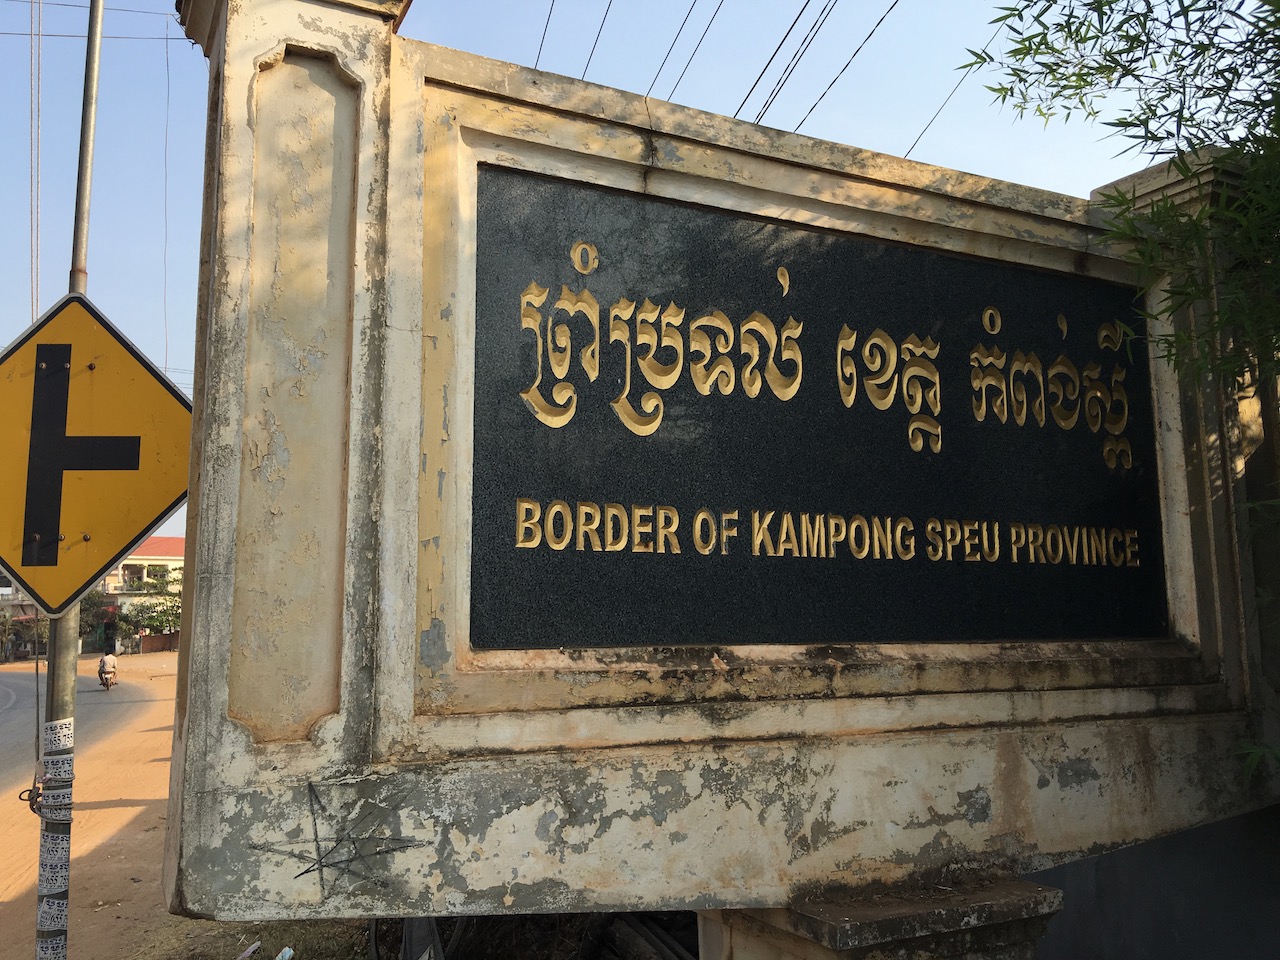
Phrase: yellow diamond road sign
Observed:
(98, 455)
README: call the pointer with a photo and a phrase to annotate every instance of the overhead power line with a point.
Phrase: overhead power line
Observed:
(846, 66)
(771, 57)
(550, 10)
(805, 44)
(80, 36)
(696, 48)
(672, 47)
(85, 6)
(608, 7)
(950, 95)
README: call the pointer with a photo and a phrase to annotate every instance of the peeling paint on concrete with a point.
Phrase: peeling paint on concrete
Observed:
(514, 781)
(1076, 773)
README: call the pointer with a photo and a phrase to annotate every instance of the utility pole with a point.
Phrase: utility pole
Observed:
(58, 735)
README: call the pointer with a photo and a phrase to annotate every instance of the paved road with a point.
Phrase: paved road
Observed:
(95, 710)
(122, 777)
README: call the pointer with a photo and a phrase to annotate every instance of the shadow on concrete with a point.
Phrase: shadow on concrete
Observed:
(1212, 893)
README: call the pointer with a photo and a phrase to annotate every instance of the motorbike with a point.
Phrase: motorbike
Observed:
(107, 680)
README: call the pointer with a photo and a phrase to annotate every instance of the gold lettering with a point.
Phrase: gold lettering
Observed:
(932, 531)
(846, 368)
(641, 424)
(641, 527)
(704, 532)
(1131, 548)
(1017, 538)
(1021, 367)
(1035, 543)
(760, 534)
(919, 366)
(584, 303)
(1098, 544)
(920, 427)
(664, 337)
(668, 520)
(784, 386)
(991, 551)
(584, 257)
(1117, 452)
(615, 527)
(558, 508)
(726, 530)
(1118, 412)
(1064, 386)
(882, 540)
(970, 528)
(1097, 398)
(859, 530)
(1052, 536)
(1114, 553)
(705, 372)
(563, 394)
(880, 356)
(986, 363)
(836, 529)
(589, 525)
(904, 538)
(1109, 336)
(813, 535)
(1071, 543)
(755, 326)
(787, 536)
(1115, 448)
(528, 533)
(951, 535)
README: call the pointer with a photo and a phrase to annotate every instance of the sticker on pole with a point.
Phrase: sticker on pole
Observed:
(100, 443)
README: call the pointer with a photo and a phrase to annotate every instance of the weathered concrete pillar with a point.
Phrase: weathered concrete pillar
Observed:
(290, 324)
(996, 921)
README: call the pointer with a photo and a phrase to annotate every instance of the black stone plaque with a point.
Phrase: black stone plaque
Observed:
(809, 437)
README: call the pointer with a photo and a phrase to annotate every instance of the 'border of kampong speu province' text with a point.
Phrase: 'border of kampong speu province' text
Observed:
(592, 527)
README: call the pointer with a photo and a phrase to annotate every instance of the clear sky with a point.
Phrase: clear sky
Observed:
(148, 175)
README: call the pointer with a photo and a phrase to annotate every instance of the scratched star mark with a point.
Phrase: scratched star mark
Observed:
(338, 852)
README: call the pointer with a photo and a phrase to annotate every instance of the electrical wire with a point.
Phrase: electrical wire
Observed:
(950, 95)
(796, 57)
(696, 49)
(846, 66)
(672, 47)
(80, 36)
(608, 7)
(85, 6)
(771, 58)
(550, 10)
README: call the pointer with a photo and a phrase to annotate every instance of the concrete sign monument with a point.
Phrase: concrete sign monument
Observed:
(604, 505)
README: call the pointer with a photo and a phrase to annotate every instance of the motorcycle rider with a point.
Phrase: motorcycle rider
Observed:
(107, 667)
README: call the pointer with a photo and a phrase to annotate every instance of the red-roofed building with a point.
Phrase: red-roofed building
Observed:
(156, 558)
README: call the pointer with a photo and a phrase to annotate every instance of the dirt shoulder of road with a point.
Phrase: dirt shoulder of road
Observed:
(117, 909)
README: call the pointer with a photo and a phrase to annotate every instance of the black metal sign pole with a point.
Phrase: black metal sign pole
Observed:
(58, 735)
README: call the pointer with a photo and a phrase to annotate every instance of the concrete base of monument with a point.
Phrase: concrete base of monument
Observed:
(1000, 920)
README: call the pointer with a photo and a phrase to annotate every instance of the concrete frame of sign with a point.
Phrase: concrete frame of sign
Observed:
(332, 712)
